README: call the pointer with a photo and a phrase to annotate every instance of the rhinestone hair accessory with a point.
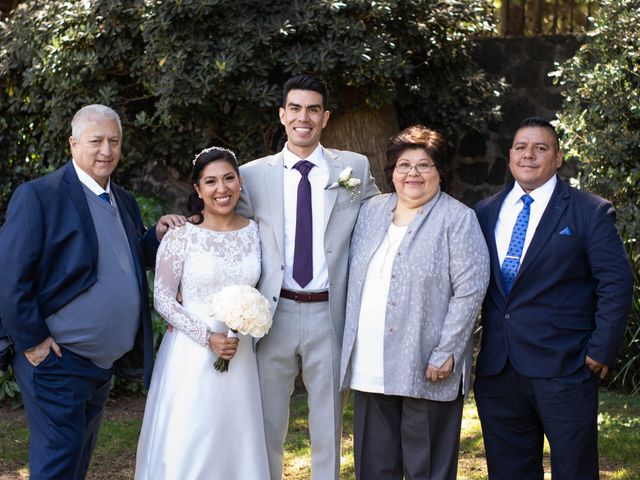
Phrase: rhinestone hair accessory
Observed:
(210, 149)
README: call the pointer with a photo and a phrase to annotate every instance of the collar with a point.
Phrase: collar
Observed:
(540, 194)
(316, 157)
(89, 182)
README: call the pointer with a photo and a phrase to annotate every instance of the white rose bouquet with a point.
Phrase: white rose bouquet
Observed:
(244, 310)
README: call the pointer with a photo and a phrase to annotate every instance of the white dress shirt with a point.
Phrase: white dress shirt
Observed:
(318, 177)
(510, 209)
(91, 184)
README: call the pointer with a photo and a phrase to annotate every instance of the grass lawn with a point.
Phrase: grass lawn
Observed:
(115, 454)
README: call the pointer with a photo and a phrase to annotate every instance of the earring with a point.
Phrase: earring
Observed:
(200, 197)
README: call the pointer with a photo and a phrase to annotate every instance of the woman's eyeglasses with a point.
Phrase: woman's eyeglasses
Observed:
(405, 167)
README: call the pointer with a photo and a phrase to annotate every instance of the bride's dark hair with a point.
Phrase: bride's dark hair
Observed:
(195, 205)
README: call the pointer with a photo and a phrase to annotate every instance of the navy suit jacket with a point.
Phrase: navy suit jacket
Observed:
(571, 296)
(49, 252)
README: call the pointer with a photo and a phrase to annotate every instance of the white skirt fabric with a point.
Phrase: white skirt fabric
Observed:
(200, 423)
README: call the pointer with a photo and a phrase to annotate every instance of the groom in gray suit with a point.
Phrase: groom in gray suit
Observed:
(306, 200)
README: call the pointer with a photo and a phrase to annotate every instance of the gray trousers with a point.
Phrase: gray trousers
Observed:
(302, 337)
(401, 437)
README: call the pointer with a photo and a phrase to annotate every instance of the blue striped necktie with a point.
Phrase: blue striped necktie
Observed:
(511, 262)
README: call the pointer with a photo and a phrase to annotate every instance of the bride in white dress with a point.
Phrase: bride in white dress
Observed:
(200, 423)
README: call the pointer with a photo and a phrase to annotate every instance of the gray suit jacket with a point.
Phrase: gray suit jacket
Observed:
(439, 278)
(262, 199)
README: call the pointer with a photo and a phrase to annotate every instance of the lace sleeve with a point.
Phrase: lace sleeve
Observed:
(169, 266)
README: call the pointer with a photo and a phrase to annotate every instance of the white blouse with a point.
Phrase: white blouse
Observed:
(367, 374)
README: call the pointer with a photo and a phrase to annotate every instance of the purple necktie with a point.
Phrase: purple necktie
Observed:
(303, 252)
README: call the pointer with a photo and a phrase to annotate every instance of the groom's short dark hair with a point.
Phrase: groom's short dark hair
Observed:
(306, 82)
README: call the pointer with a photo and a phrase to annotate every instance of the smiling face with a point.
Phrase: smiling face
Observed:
(414, 189)
(534, 157)
(219, 188)
(303, 117)
(97, 150)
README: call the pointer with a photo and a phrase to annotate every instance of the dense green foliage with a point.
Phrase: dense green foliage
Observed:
(600, 123)
(600, 119)
(626, 376)
(184, 74)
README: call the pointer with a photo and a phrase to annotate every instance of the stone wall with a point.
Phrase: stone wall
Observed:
(480, 165)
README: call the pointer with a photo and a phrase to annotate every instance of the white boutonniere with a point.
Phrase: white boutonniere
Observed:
(349, 183)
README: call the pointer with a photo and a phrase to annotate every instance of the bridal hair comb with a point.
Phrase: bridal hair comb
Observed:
(211, 149)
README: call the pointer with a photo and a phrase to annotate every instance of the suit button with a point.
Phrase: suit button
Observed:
(281, 267)
(275, 299)
(507, 316)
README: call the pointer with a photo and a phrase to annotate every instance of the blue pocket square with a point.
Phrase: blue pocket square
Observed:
(565, 231)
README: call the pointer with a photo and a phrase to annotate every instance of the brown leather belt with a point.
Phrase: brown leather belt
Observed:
(305, 297)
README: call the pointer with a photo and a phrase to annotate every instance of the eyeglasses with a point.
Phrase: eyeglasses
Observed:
(405, 167)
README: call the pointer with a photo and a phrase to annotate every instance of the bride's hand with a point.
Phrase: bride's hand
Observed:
(223, 346)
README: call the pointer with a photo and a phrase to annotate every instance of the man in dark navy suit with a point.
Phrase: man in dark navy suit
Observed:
(553, 317)
(73, 293)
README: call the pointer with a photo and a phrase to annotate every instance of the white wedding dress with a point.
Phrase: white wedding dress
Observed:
(200, 423)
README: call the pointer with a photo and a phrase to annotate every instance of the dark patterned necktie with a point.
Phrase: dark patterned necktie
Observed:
(303, 252)
(511, 262)
(105, 196)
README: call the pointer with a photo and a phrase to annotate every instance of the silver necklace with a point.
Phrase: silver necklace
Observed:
(390, 244)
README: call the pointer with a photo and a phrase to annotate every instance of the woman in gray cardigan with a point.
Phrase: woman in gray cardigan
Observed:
(418, 273)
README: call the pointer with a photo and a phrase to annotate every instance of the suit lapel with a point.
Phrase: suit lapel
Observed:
(75, 191)
(492, 219)
(130, 229)
(335, 166)
(274, 195)
(557, 205)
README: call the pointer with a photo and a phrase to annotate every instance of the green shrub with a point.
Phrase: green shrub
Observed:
(189, 73)
(600, 127)
(600, 117)
(9, 390)
(626, 376)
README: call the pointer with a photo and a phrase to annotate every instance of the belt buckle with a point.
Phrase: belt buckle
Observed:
(300, 297)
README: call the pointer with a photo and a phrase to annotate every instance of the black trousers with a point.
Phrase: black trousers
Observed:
(401, 437)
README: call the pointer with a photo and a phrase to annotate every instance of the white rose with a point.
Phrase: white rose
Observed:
(242, 308)
(345, 174)
(353, 182)
(235, 322)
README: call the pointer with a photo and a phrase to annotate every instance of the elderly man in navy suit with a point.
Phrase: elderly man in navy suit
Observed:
(553, 317)
(73, 293)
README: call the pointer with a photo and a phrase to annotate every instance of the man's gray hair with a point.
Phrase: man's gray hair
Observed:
(82, 116)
